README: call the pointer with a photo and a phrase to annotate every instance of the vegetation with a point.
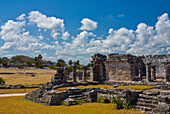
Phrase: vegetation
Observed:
(64, 103)
(22, 61)
(70, 69)
(61, 63)
(2, 81)
(70, 62)
(121, 103)
(136, 87)
(17, 105)
(88, 86)
(118, 102)
(79, 101)
(38, 61)
(128, 105)
(103, 100)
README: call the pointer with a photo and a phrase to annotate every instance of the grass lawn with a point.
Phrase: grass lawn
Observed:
(17, 105)
(23, 76)
(136, 87)
(9, 91)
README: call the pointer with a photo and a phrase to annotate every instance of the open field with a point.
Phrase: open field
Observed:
(17, 105)
(15, 76)
(136, 87)
(10, 91)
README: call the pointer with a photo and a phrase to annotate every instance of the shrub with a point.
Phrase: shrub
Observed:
(64, 103)
(103, 100)
(2, 81)
(79, 101)
(128, 105)
(118, 102)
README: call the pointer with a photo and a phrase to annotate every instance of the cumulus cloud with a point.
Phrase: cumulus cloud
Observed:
(45, 22)
(21, 17)
(65, 35)
(150, 40)
(142, 41)
(119, 38)
(88, 24)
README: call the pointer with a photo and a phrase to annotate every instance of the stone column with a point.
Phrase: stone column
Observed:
(148, 72)
(153, 72)
(84, 74)
(132, 70)
(74, 73)
(65, 74)
(140, 73)
(167, 72)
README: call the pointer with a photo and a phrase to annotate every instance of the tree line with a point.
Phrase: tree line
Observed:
(22, 61)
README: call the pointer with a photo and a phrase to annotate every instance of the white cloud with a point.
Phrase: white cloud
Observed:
(14, 35)
(120, 39)
(65, 35)
(150, 40)
(40, 37)
(11, 30)
(21, 17)
(88, 24)
(55, 34)
(142, 41)
(45, 22)
(81, 39)
(121, 15)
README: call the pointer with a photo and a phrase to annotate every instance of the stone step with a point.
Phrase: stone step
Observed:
(150, 105)
(151, 93)
(147, 110)
(75, 96)
(142, 100)
(147, 97)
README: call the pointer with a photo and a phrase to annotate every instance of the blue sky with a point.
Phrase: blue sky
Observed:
(76, 29)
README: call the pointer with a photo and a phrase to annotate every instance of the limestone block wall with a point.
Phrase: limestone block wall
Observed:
(118, 71)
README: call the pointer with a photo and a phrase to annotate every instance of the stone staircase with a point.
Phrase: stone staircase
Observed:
(152, 102)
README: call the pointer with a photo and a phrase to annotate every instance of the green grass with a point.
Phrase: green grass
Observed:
(10, 91)
(136, 87)
(17, 105)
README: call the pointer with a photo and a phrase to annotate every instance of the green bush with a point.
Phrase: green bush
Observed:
(2, 81)
(79, 101)
(118, 102)
(64, 103)
(103, 100)
(53, 67)
(127, 105)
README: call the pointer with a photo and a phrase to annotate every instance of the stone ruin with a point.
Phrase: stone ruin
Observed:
(127, 67)
(124, 69)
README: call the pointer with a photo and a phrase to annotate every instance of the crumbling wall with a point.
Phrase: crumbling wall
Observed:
(158, 61)
(98, 71)
(124, 67)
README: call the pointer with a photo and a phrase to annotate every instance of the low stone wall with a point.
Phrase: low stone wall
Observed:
(145, 101)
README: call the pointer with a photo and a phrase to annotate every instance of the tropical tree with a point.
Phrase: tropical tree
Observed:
(38, 61)
(70, 62)
(61, 63)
